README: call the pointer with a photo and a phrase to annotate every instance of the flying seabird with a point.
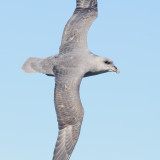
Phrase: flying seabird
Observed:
(73, 62)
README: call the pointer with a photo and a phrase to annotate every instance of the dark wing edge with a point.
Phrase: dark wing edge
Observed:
(75, 33)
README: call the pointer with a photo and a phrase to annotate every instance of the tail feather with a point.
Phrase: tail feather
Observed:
(31, 65)
(39, 65)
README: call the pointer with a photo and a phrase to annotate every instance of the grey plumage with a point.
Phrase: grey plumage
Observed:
(75, 33)
(39, 65)
(73, 62)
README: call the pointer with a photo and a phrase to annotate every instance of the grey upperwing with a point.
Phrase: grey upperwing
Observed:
(69, 114)
(75, 33)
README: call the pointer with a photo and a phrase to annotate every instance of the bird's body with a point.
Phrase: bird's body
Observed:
(73, 62)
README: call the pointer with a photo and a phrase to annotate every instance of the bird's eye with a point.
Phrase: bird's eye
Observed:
(107, 62)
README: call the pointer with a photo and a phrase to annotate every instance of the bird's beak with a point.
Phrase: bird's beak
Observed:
(116, 70)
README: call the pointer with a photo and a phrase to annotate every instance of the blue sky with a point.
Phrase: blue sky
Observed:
(122, 112)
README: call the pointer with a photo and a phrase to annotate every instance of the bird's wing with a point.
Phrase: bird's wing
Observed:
(69, 115)
(75, 33)
(66, 142)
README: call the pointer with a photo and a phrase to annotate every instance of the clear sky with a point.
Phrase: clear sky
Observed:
(122, 112)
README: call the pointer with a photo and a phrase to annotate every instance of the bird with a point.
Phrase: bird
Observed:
(73, 62)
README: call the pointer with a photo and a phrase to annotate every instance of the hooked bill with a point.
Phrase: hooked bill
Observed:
(118, 71)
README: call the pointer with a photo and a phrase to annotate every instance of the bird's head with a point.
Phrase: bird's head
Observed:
(101, 65)
(109, 66)
(105, 65)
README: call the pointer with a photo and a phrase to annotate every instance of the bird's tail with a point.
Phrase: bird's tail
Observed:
(39, 65)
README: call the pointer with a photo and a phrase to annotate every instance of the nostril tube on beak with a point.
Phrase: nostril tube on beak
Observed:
(117, 71)
(115, 67)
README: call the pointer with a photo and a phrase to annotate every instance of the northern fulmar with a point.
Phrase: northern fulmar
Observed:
(73, 62)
